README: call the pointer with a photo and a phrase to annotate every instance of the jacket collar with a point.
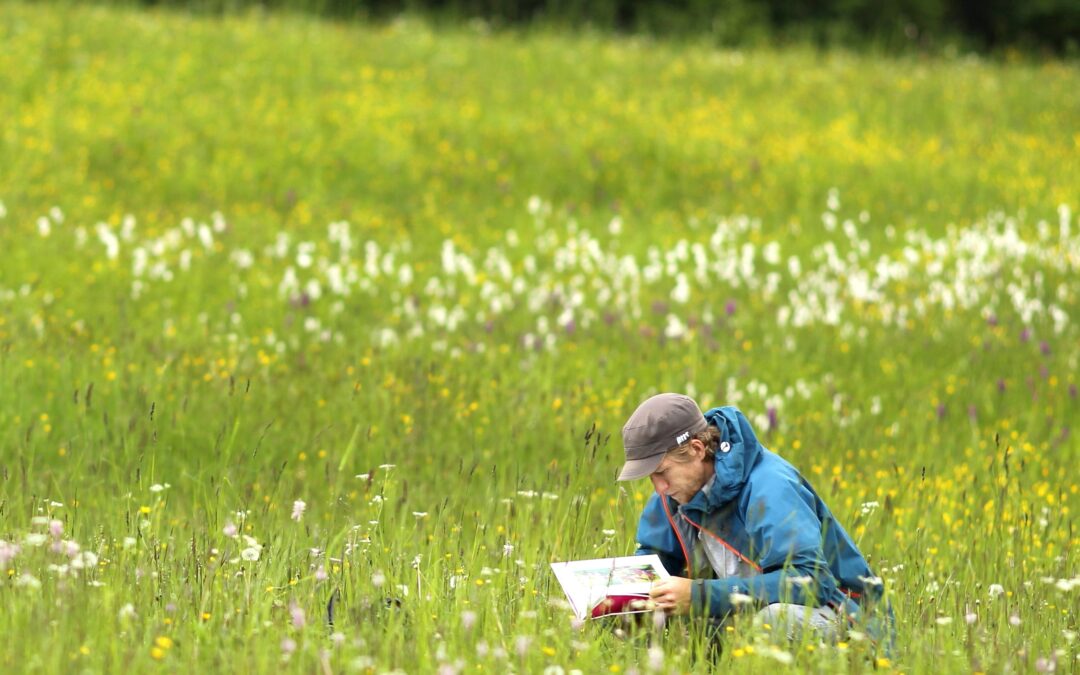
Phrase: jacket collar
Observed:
(739, 451)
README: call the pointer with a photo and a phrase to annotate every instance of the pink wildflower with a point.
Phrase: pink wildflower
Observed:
(468, 619)
(297, 614)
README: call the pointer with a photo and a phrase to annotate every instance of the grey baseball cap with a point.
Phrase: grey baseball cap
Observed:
(662, 423)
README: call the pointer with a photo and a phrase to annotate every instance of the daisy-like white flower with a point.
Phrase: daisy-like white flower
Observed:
(298, 510)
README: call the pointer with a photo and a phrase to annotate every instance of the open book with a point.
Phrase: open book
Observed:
(609, 585)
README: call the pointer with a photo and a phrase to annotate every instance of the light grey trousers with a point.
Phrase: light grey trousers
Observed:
(790, 620)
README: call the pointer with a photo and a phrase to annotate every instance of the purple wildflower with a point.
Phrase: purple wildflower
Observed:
(1001, 385)
(730, 306)
(941, 411)
(771, 412)
(1025, 335)
(1044, 347)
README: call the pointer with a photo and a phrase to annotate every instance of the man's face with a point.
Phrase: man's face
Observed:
(682, 480)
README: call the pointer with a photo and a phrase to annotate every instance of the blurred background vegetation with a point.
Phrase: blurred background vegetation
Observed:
(986, 25)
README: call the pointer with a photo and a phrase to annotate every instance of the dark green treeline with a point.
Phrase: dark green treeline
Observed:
(1045, 25)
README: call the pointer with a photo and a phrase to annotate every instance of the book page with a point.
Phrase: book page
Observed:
(588, 582)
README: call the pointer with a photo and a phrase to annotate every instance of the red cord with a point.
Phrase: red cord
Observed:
(728, 546)
(682, 544)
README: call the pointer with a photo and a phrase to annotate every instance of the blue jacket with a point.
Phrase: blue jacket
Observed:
(766, 511)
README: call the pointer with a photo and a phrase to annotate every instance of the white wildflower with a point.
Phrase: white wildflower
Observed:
(779, 655)
(27, 580)
(738, 599)
(35, 539)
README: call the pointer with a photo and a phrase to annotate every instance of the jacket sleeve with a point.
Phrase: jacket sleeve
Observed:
(785, 533)
(654, 535)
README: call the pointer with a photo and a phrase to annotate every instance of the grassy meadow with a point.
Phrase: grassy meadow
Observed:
(299, 316)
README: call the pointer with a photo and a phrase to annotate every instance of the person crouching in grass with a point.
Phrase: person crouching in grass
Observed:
(735, 524)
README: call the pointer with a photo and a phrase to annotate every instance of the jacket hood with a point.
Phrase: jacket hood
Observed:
(739, 451)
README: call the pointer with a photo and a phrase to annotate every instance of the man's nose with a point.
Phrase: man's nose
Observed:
(659, 484)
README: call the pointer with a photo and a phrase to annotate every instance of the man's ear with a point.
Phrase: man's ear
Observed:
(699, 448)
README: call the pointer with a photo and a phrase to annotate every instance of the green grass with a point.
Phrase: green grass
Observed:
(520, 209)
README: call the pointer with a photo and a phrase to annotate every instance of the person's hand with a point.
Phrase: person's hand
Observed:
(672, 595)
